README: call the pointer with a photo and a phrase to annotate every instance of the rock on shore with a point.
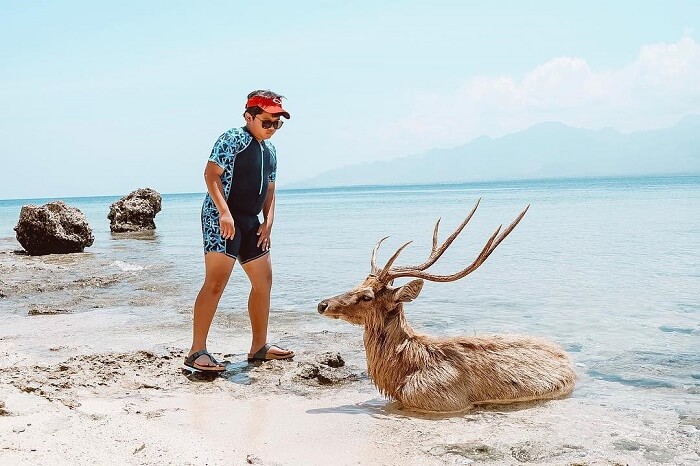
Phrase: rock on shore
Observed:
(54, 228)
(135, 212)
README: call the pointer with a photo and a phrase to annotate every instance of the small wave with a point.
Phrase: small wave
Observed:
(671, 329)
(688, 308)
(573, 347)
(634, 382)
(127, 267)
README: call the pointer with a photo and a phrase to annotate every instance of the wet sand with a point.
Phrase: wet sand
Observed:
(85, 382)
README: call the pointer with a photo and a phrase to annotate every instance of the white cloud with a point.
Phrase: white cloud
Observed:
(660, 86)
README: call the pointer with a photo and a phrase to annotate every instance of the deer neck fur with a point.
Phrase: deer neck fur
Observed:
(389, 345)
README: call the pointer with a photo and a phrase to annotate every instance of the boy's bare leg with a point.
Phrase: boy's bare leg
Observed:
(259, 273)
(218, 270)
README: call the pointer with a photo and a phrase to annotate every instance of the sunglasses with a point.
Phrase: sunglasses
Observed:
(267, 124)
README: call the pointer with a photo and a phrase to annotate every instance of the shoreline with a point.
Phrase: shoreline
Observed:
(103, 382)
(114, 397)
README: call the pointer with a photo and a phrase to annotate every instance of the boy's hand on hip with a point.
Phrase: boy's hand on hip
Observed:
(264, 237)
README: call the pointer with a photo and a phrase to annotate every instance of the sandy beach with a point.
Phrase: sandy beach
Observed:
(97, 387)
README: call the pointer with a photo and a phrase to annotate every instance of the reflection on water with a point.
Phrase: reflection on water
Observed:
(138, 235)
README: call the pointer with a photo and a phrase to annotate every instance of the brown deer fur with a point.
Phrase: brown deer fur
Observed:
(446, 374)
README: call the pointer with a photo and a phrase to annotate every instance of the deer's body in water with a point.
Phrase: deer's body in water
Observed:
(446, 374)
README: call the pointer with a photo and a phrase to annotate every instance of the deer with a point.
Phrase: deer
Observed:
(446, 374)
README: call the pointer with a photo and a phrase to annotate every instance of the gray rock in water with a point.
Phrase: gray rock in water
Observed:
(54, 228)
(135, 212)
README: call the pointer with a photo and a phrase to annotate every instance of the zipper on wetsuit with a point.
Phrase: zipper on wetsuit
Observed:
(262, 165)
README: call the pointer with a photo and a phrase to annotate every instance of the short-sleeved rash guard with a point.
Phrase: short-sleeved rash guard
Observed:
(248, 167)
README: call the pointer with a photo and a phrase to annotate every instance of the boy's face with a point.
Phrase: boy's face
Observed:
(257, 124)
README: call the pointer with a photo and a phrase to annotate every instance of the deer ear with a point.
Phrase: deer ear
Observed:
(409, 291)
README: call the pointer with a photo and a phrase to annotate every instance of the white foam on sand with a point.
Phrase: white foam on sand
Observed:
(125, 267)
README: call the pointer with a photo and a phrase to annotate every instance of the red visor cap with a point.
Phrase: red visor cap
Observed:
(270, 105)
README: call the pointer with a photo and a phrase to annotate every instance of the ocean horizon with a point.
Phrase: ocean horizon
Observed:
(644, 179)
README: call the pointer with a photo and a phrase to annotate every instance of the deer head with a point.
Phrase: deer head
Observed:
(375, 299)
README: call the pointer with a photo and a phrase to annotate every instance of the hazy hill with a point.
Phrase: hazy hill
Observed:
(546, 150)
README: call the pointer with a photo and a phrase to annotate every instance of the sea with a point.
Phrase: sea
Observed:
(607, 267)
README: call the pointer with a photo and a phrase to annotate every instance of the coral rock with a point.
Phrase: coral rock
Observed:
(135, 212)
(54, 228)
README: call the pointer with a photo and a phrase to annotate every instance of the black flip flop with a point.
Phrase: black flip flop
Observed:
(190, 362)
(262, 352)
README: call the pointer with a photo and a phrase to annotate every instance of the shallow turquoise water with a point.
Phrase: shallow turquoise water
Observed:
(609, 268)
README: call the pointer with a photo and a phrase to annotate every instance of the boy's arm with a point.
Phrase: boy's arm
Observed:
(212, 178)
(269, 216)
(269, 205)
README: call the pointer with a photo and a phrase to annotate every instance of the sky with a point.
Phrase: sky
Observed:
(102, 98)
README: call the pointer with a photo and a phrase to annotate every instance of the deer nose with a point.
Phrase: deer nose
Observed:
(322, 306)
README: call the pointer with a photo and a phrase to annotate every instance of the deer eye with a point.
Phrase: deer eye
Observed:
(366, 297)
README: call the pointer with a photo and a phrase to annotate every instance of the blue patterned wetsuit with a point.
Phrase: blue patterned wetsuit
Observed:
(248, 167)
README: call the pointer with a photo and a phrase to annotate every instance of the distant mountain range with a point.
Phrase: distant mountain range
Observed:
(546, 150)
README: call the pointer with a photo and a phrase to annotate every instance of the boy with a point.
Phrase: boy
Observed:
(240, 179)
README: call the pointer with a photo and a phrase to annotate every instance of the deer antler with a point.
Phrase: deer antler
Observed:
(387, 273)
(375, 269)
